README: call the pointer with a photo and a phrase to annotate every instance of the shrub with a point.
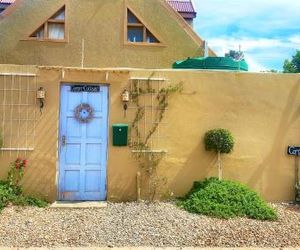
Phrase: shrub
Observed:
(297, 187)
(220, 141)
(16, 172)
(226, 199)
(14, 196)
(11, 191)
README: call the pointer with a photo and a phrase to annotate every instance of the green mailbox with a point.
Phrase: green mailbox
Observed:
(120, 134)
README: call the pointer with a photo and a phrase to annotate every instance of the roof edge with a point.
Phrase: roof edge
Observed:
(186, 27)
(10, 9)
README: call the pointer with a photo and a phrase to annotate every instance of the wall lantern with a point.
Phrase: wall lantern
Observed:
(40, 95)
(125, 100)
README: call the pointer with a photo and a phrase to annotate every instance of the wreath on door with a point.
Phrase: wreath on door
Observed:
(84, 113)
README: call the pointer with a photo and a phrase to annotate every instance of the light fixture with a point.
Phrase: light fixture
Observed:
(125, 100)
(40, 95)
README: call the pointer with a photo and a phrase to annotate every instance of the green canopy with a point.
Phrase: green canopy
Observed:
(219, 63)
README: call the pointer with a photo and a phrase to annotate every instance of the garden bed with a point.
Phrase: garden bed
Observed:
(140, 224)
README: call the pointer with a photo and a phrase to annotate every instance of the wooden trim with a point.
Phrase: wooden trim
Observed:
(11, 9)
(145, 28)
(125, 35)
(144, 44)
(144, 34)
(45, 40)
(45, 31)
(56, 21)
(135, 25)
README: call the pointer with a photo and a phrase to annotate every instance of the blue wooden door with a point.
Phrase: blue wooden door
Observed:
(83, 144)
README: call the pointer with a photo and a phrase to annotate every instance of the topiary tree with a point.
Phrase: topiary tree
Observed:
(221, 141)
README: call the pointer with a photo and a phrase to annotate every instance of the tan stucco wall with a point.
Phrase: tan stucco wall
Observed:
(101, 25)
(261, 110)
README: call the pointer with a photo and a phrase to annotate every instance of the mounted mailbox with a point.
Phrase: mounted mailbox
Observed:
(120, 134)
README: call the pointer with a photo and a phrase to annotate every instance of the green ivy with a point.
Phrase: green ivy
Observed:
(150, 161)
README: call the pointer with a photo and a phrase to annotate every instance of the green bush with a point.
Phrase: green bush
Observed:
(226, 199)
(13, 195)
(219, 140)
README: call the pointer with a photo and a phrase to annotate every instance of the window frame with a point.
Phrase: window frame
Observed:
(145, 27)
(46, 30)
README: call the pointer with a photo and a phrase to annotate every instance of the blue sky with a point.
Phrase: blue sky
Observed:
(267, 30)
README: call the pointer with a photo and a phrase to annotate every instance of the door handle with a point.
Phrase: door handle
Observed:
(63, 140)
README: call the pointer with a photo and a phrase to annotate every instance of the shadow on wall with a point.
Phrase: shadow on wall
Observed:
(270, 161)
(197, 166)
(264, 176)
(41, 173)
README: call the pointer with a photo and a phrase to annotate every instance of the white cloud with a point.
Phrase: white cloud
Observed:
(268, 31)
(295, 40)
(278, 12)
(254, 66)
(223, 44)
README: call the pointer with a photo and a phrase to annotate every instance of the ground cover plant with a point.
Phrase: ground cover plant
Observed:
(226, 199)
(11, 190)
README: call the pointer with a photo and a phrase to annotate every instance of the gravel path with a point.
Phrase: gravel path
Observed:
(132, 224)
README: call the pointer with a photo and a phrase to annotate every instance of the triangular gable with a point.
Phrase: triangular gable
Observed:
(137, 31)
(53, 28)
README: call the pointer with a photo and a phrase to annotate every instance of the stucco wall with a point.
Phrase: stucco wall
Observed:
(261, 110)
(101, 25)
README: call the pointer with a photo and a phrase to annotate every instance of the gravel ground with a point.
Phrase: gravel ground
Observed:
(132, 224)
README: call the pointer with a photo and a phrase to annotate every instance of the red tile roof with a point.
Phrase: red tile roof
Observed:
(184, 7)
(7, 1)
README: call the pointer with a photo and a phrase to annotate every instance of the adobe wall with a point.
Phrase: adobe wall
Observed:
(261, 110)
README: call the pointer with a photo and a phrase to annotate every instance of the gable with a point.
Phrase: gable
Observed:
(96, 34)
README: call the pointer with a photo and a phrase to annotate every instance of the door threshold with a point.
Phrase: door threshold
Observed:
(79, 204)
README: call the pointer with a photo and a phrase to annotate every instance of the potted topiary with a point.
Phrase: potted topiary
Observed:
(220, 141)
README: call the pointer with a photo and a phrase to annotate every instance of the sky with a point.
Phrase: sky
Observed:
(267, 30)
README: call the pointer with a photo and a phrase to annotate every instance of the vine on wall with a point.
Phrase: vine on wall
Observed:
(148, 159)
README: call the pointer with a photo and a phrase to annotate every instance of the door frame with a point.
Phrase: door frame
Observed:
(71, 83)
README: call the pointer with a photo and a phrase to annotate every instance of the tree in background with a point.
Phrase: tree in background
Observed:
(221, 141)
(270, 71)
(235, 55)
(292, 66)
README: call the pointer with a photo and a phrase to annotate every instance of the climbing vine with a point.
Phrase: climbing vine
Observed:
(149, 160)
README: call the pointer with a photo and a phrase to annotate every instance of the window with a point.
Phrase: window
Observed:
(137, 31)
(53, 28)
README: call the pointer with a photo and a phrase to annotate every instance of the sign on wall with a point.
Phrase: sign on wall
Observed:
(292, 150)
(85, 88)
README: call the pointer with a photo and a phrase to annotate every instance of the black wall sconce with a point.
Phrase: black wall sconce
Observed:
(41, 95)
